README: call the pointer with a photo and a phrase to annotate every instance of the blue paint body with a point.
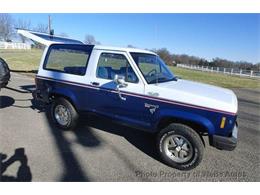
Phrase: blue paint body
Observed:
(104, 100)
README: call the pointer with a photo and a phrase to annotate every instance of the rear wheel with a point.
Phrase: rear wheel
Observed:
(180, 147)
(63, 114)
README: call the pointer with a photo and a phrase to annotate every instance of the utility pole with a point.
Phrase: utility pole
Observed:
(49, 24)
(51, 31)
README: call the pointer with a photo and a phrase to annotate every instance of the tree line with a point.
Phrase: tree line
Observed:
(173, 59)
(8, 26)
(8, 32)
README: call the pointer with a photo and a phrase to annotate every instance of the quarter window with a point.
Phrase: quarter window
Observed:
(110, 64)
(71, 59)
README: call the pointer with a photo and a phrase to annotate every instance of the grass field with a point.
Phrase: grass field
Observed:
(25, 60)
(216, 78)
(28, 60)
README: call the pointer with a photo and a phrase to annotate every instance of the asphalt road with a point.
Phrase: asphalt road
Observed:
(32, 150)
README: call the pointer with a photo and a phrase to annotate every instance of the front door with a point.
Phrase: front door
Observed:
(121, 103)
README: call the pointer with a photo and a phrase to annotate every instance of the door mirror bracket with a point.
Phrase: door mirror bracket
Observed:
(120, 83)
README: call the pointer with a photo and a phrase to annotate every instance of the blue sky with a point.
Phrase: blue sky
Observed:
(230, 36)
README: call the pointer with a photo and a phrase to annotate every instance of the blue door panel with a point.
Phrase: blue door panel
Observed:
(106, 101)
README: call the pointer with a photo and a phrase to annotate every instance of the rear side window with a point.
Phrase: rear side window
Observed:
(70, 59)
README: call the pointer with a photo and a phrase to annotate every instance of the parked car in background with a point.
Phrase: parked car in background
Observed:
(134, 87)
(4, 73)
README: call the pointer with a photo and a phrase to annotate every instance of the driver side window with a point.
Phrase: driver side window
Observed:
(110, 64)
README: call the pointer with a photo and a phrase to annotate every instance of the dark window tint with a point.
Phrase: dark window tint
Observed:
(71, 59)
(111, 64)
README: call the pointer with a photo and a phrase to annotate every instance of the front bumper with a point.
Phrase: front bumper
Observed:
(225, 143)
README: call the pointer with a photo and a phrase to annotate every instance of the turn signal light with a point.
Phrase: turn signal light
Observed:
(223, 121)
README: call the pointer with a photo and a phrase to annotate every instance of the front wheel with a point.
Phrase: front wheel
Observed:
(63, 114)
(180, 147)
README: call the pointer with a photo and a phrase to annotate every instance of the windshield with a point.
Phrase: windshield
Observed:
(153, 68)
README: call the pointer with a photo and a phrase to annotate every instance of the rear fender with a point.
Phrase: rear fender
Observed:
(63, 92)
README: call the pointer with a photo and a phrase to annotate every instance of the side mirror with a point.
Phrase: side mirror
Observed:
(120, 80)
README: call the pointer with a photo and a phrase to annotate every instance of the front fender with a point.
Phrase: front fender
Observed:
(186, 116)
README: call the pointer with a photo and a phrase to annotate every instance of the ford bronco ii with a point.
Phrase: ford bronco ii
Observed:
(135, 87)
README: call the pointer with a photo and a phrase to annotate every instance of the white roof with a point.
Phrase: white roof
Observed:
(127, 49)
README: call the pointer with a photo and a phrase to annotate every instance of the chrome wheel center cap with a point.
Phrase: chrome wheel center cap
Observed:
(178, 148)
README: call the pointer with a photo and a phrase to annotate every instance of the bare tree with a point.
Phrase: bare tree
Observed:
(23, 24)
(165, 55)
(43, 28)
(6, 27)
(90, 40)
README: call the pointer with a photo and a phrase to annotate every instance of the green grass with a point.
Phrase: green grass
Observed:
(58, 60)
(216, 78)
(28, 60)
(23, 60)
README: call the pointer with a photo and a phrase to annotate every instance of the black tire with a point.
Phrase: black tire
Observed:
(72, 114)
(4, 73)
(194, 141)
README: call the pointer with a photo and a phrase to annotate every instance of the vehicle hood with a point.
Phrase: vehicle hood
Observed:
(198, 94)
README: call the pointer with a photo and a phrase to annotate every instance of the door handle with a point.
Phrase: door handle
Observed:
(121, 97)
(119, 93)
(94, 83)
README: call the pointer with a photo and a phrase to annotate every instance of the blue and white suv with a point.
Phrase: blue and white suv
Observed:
(135, 87)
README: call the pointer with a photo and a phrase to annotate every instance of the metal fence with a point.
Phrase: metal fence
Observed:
(228, 71)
